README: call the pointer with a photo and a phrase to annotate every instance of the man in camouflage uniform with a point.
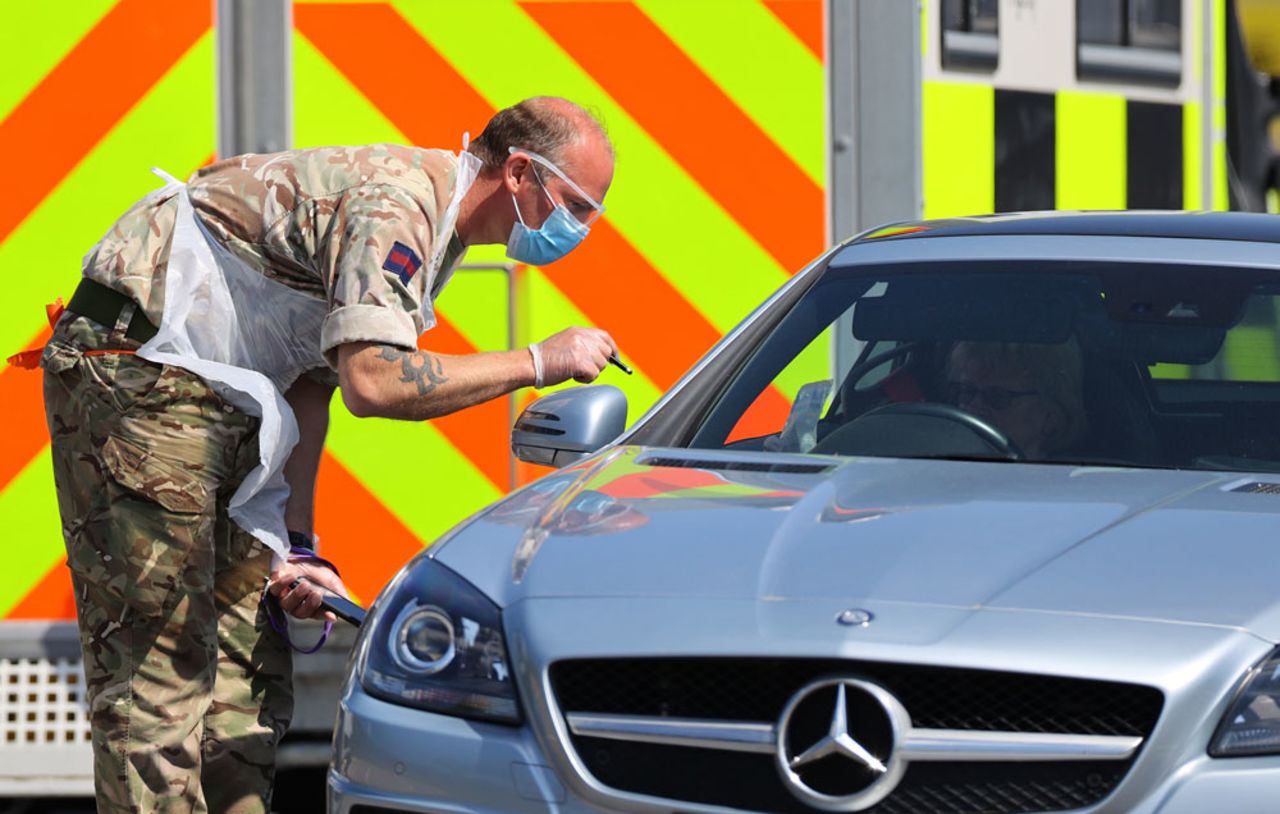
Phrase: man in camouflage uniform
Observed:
(190, 691)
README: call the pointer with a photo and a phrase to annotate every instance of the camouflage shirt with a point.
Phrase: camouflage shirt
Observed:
(354, 226)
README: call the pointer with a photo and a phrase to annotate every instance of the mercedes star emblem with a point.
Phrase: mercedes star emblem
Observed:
(837, 742)
(855, 617)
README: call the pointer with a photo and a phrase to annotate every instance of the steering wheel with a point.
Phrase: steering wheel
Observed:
(874, 428)
(864, 367)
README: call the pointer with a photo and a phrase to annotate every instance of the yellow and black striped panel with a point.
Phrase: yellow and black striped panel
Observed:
(994, 150)
(1029, 132)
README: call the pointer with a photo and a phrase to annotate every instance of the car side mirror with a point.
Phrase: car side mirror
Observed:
(569, 425)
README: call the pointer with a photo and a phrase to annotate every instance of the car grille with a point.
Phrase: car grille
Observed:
(757, 690)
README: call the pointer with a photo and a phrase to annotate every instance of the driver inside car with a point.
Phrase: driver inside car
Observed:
(1031, 392)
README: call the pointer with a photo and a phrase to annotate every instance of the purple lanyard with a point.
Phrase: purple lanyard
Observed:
(275, 614)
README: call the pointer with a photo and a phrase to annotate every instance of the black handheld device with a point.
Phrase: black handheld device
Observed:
(344, 609)
(341, 607)
(618, 363)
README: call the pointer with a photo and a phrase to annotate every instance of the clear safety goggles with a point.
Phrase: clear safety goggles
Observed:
(596, 205)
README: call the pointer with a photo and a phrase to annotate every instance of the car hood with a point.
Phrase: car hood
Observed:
(1167, 545)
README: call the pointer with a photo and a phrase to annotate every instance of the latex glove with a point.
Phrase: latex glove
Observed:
(301, 585)
(575, 353)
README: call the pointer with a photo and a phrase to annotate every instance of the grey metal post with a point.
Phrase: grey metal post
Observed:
(873, 138)
(508, 270)
(255, 76)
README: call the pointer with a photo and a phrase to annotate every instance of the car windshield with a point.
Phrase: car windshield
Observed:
(1131, 364)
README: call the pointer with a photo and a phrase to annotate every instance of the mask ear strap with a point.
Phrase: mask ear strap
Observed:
(543, 186)
(516, 203)
(533, 170)
(519, 217)
(550, 165)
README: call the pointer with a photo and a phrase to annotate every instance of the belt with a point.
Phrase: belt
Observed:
(103, 305)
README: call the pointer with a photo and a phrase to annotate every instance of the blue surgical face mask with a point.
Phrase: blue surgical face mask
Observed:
(558, 235)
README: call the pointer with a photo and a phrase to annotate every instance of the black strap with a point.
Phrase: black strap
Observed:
(103, 305)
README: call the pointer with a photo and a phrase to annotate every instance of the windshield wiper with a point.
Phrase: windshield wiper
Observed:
(1112, 463)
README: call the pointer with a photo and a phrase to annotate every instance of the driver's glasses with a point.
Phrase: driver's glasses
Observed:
(997, 398)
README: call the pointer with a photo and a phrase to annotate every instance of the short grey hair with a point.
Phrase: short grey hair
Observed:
(545, 125)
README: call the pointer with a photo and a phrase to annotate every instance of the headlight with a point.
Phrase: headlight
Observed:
(1252, 723)
(437, 645)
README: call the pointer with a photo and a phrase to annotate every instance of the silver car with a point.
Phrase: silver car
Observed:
(1020, 554)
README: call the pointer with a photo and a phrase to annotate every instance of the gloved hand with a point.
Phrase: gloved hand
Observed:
(575, 353)
(301, 585)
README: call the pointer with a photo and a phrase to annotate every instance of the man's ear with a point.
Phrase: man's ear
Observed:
(515, 170)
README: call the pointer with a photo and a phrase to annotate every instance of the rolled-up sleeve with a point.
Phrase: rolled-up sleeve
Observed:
(367, 323)
(375, 261)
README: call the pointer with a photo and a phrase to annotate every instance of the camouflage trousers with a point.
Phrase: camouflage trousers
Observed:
(189, 689)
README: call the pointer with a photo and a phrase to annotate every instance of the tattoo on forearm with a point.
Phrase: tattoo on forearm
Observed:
(420, 369)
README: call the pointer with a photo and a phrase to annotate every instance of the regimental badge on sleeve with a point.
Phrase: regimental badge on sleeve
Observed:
(402, 261)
